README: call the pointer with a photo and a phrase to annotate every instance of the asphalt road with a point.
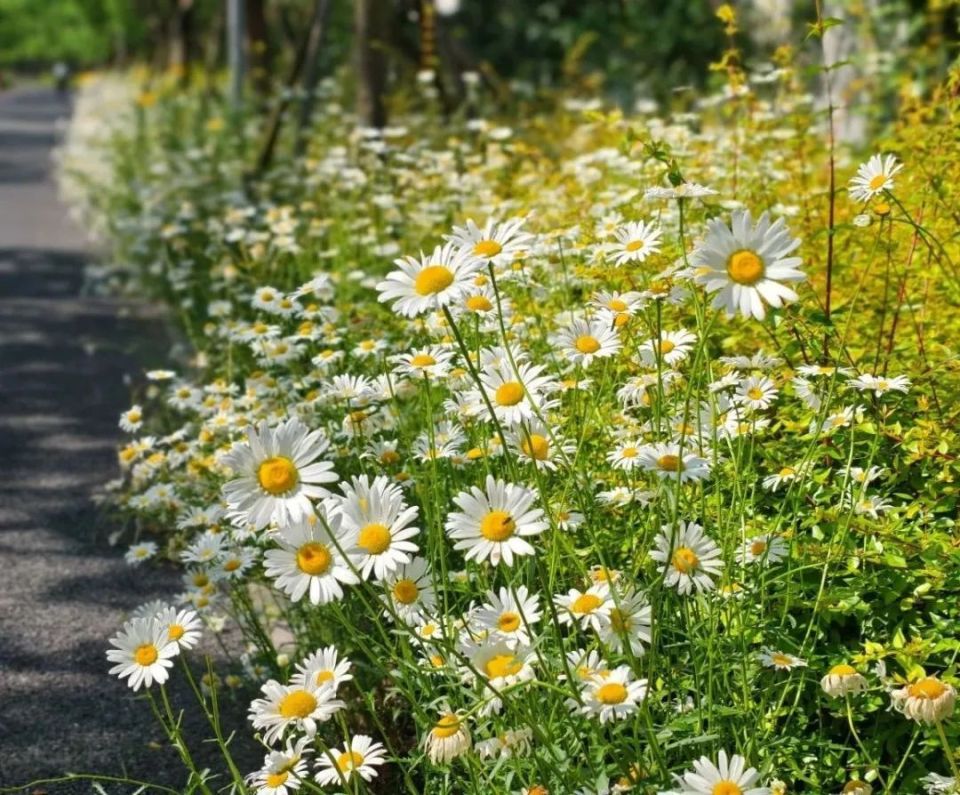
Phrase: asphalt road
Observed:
(63, 591)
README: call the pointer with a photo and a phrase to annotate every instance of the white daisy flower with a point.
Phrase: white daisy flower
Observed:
(586, 340)
(493, 522)
(613, 695)
(756, 393)
(874, 177)
(766, 549)
(728, 777)
(842, 679)
(409, 591)
(430, 282)
(430, 362)
(138, 553)
(515, 396)
(690, 558)
(746, 263)
(309, 561)
(512, 742)
(636, 241)
(668, 462)
(780, 660)
(584, 607)
(279, 474)
(928, 700)
(283, 771)
(509, 616)
(380, 527)
(685, 190)
(131, 419)
(183, 626)
(497, 242)
(672, 349)
(448, 738)
(626, 621)
(537, 444)
(143, 652)
(299, 707)
(500, 664)
(322, 666)
(880, 385)
(361, 756)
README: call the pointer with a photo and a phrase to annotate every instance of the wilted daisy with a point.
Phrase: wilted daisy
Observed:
(690, 558)
(508, 616)
(636, 241)
(780, 660)
(586, 340)
(746, 263)
(278, 474)
(448, 738)
(361, 756)
(512, 742)
(492, 522)
(430, 282)
(613, 695)
(143, 653)
(842, 679)
(667, 462)
(874, 177)
(928, 700)
(856, 787)
(727, 777)
(309, 561)
(301, 706)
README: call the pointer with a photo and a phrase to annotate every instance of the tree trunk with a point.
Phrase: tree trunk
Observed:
(370, 21)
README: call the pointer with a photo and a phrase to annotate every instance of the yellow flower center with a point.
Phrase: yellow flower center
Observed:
(536, 447)
(587, 344)
(612, 693)
(433, 279)
(509, 393)
(666, 346)
(447, 726)
(323, 676)
(502, 665)
(146, 654)
(374, 538)
(781, 659)
(276, 779)
(508, 622)
(755, 393)
(585, 604)
(233, 564)
(928, 688)
(634, 245)
(277, 475)
(787, 472)
(349, 760)
(670, 463)
(479, 303)
(405, 591)
(629, 452)
(745, 267)
(726, 787)
(758, 547)
(621, 320)
(389, 457)
(878, 182)
(617, 305)
(422, 360)
(297, 704)
(685, 560)
(497, 526)
(843, 670)
(314, 558)
(175, 632)
(487, 248)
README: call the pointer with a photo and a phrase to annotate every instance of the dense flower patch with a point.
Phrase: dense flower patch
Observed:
(601, 454)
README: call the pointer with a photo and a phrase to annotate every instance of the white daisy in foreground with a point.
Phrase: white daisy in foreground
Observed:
(493, 522)
(842, 679)
(690, 558)
(514, 396)
(361, 756)
(780, 660)
(278, 474)
(507, 616)
(379, 525)
(727, 777)
(613, 695)
(586, 340)
(669, 463)
(497, 243)
(928, 700)
(300, 706)
(183, 626)
(321, 667)
(746, 263)
(500, 665)
(448, 739)
(309, 562)
(874, 177)
(142, 652)
(283, 771)
(635, 242)
(430, 282)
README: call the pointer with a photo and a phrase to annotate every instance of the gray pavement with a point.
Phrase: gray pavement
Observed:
(63, 590)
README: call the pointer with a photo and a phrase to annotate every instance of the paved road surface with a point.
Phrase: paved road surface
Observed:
(63, 591)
